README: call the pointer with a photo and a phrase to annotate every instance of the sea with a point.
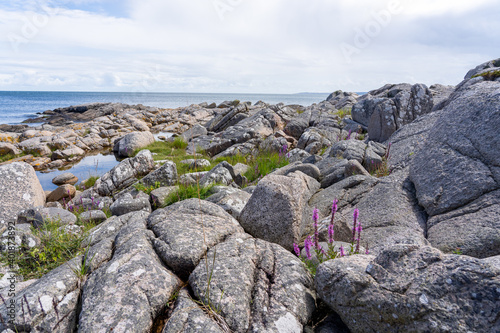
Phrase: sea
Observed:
(16, 106)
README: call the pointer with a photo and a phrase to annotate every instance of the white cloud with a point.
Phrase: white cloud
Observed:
(247, 46)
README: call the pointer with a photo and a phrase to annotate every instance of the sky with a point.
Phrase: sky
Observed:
(242, 46)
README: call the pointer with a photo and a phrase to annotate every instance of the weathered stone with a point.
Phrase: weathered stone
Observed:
(258, 286)
(194, 132)
(192, 178)
(48, 305)
(65, 178)
(196, 163)
(132, 141)
(186, 230)
(349, 149)
(457, 154)
(297, 155)
(41, 215)
(189, 317)
(127, 293)
(389, 108)
(298, 125)
(96, 216)
(412, 289)
(166, 175)
(62, 192)
(353, 167)
(159, 195)
(231, 200)
(277, 210)
(20, 189)
(125, 174)
(309, 169)
(223, 174)
(67, 153)
(127, 203)
(8, 148)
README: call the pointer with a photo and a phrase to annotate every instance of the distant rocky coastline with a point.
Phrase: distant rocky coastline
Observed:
(431, 218)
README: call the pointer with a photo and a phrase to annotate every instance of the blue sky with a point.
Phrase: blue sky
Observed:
(246, 46)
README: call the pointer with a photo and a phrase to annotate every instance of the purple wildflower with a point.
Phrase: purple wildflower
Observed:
(296, 249)
(316, 233)
(367, 251)
(331, 233)
(348, 135)
(342, 252)
(307, 245)
(355, 216)
(359, 236)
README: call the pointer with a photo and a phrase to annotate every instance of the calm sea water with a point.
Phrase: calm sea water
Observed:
(16, 106)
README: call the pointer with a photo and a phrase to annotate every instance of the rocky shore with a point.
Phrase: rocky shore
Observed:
(420, 165)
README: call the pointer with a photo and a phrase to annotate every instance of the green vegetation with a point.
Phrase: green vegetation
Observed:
(88, 183)
(263, 164)
(179, 143)
(57, 247)
(147, 189)
(176, 152)
(489, 76)
(342, 113)
(188, 192)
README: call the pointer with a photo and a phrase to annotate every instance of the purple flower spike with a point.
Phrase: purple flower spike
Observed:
(359, 236)
(316, 233)
(342, 252)
(331, 233)
(367, 252)
(296, 249)
(307, 245)
(355, 216)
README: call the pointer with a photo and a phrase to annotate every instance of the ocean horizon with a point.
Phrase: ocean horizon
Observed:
(17, 106)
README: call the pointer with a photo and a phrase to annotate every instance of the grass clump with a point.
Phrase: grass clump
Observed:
(188, 192)
(342, 113)
(88, 183)
(265, 163)
(57, 247)
(175, 151)
(179, 143)
(147, 189)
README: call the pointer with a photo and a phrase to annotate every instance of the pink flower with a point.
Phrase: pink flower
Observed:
(355, 215)
(316, 233)
(307, 245)
(296, 249)
(342, 252)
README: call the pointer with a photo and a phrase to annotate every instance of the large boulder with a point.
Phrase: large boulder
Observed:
(127, 293)
(132, 141)
(256, 285)
(389, 108)
(20, 190)
(125, 174)
(186, 230)
(48, 305)
(278, 211)
(232, 200)
(412, 289)
(458, 153)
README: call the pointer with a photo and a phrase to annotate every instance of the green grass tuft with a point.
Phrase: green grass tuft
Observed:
(57, 247)
(188, 192)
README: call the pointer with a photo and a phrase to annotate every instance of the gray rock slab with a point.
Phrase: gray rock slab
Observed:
(186, 230)
(20, 190)
(412, 289)
(258, 286)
